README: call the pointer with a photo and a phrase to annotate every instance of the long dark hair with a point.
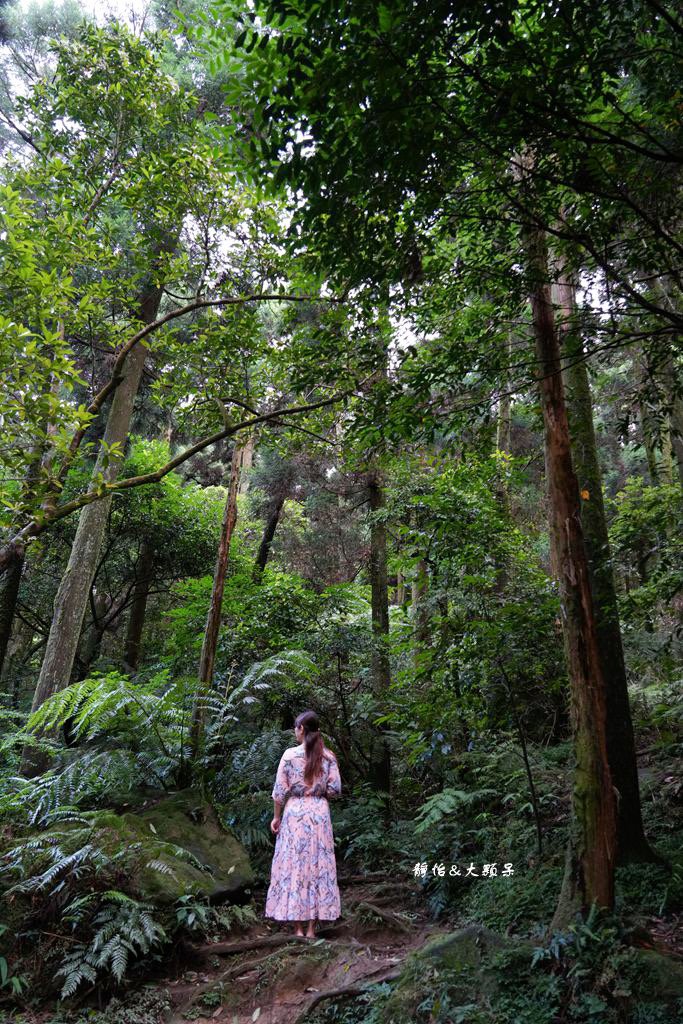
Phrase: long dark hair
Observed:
(313, 745)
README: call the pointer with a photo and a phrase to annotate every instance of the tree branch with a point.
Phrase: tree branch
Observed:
(38, 526)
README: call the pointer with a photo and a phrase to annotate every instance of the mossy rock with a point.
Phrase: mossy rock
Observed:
(458, 960)
(177, 847)
(660, 975)
(186, 820)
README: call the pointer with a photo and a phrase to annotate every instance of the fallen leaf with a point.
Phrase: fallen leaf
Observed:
(256, 1014)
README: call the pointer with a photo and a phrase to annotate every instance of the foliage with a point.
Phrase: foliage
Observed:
(329, 206)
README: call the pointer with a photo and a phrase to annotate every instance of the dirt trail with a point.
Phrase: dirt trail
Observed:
(263, 975)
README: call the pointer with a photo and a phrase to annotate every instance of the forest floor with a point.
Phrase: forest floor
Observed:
(269, 977)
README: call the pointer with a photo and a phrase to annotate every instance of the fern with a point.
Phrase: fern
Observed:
(113, 704)
(445, 804)
(284, 666)
(123, 929)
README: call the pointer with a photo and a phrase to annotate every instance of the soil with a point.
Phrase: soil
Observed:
(266, 975)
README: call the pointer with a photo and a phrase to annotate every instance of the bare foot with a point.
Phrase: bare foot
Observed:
(300, 933)
(310, 934)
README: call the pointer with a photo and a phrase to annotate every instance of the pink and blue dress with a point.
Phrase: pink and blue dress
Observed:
(303, 880)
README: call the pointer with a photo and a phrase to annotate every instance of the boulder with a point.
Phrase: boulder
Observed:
(458, 960)
(184, 821)
(173, 847)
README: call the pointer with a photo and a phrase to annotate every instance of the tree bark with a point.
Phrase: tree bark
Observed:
(138, 609)
(672, 385)
(247, 462)
(676, 418)
(9, 592)
(213, 621)
(419, 588)
(91, 640)
(503, 433)
(380, 767)
(631, 842)
(589, 874)
(72, 595)
(267, 539)
(648, 423)
(400, 588)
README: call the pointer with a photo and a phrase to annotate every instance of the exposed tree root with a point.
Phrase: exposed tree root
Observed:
(229, 948)
(347, 992)
(391, 919)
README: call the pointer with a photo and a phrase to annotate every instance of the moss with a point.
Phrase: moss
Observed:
(457, 965)
(186, 820)
(217, 869)
(517, 902)
(658, 975)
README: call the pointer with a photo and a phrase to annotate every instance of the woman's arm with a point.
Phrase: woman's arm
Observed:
(279, 794)
(333, 789)
(277, 816)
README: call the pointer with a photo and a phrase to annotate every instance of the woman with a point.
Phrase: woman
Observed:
(303, 881)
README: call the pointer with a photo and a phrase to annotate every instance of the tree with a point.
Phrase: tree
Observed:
(441, 101)
(631, 842)
(208, 655)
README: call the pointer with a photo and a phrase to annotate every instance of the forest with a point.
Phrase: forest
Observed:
(341, 351)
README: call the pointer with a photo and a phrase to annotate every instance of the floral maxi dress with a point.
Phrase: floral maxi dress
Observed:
(303, 880)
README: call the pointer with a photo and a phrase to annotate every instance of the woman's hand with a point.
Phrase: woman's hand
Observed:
(275, 826)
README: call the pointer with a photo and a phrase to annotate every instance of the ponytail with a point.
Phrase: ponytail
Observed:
(313, 745)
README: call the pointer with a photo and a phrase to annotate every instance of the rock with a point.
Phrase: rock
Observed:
(185, 820)
(177, 847)
(661, 975)
(460, 957)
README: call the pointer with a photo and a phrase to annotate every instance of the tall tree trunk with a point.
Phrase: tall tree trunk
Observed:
(247, 462)
(419, 589)
(648, 421)
(213, 621)
(380, 768)
(91, 640)
(267, 538)
(666, 291)
(667, 453)
(676, 418)
(72, 595)
(138, 609)
(503, 432)
(631, 842)
(589, 874)
(9, 593)
(400, 588)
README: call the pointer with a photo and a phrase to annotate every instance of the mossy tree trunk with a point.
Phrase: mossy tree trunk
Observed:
(248, 450)
(9, 594)
(671, 377)
(631, 842)
(419, 590)
(269, 531)
(674, 400)
(400, 588)
(380, 769)
(649, 423)
(72, 595)
(144, 574)
(591, 855)
(207, 658)
(504, 425)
